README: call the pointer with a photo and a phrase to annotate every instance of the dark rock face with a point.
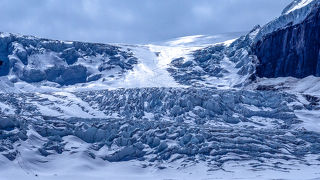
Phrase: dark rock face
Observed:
(291, 51)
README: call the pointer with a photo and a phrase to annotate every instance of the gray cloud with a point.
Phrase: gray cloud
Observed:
(133, 21)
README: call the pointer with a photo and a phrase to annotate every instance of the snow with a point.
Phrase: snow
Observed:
(299, 87)
(293, 14)
(151, 70)
(4, 34)
(229, 79)
(299, 5)
(6, 109)
(308, 85)
(6, 86)
(229, 42)
(311, 120)
(184, 40)
(79, 167)
(64, 104)
(201, 40)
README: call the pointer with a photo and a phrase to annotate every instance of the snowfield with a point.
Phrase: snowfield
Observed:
(188, 108)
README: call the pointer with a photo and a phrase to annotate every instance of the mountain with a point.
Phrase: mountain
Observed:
(188, 108)
(293, 49)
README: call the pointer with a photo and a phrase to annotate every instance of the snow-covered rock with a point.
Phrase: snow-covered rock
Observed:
(293, 50)
(293, 14)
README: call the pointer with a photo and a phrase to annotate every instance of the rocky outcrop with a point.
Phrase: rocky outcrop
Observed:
(291, 51)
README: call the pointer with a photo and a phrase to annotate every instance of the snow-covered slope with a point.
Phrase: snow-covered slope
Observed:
(294, 13)
(296, 4)
(223, 65)
(188, 108)
(201, 40)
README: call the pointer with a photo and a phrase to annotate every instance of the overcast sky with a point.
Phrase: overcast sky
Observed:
(133, 21)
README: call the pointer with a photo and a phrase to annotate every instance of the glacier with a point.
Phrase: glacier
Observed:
(228, 106)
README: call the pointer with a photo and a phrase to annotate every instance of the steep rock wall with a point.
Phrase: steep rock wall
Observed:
(291, 51)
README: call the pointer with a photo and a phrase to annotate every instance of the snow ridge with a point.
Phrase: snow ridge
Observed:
(296, 4)
(295, 13)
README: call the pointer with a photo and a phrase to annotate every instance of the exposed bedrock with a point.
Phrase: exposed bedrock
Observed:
(291, 51)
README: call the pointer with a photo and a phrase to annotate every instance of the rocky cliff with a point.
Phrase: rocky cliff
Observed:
(292, 50)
